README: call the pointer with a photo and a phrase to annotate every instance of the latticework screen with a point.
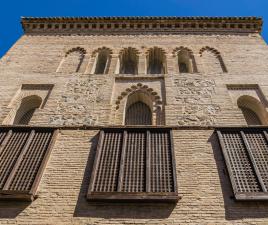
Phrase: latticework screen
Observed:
(23, 153)
(246, 155)
(134, 164)
(138, 114)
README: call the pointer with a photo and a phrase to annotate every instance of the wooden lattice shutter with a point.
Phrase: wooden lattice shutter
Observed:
(134, 164)
(246, 155)
(23, 155)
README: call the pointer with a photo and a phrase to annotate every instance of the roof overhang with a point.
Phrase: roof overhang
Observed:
(128, 25)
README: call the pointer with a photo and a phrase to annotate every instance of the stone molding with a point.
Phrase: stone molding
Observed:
(129, 25)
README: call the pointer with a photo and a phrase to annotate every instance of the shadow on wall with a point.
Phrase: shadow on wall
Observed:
(234, 210)
(11, 209)
(115, 210)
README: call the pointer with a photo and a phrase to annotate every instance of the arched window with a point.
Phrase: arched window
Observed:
(26, 109)
(138, 114)
(138, 109)
(129, 61)
(102, 61)
(72, 61)
(252, 110)
(156, 61)
(185, 61)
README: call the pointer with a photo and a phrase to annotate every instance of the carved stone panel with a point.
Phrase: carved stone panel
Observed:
(80, 102)
(195, 97)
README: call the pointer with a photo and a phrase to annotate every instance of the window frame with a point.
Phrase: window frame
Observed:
(120, 196)
(30, 195)
(238, 195)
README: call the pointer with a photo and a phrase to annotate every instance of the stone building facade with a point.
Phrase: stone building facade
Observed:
(196, 76)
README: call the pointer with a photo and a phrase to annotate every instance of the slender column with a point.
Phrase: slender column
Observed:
(142, 64)
(89, 68)
(114, 65)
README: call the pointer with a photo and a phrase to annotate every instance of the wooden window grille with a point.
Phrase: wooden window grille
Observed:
(23, 156)
(134, 164)
(246, 155)
(138, 114)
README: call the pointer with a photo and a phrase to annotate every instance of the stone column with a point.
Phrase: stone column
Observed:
(90, 65)
(142, 64)
(114, 65)
(172, 64)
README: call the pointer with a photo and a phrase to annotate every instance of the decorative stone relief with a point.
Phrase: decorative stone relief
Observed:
(203, 115)
(195, 96)
(79, 103)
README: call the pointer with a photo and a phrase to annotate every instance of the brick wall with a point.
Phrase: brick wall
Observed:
(198, 99)
(203, 185)
(35, 59)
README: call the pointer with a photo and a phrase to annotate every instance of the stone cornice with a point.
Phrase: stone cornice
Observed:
(136, 25)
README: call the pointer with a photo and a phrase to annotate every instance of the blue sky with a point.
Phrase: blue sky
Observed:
(12, 10)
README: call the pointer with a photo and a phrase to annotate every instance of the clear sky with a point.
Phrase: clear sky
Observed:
(12, 10)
